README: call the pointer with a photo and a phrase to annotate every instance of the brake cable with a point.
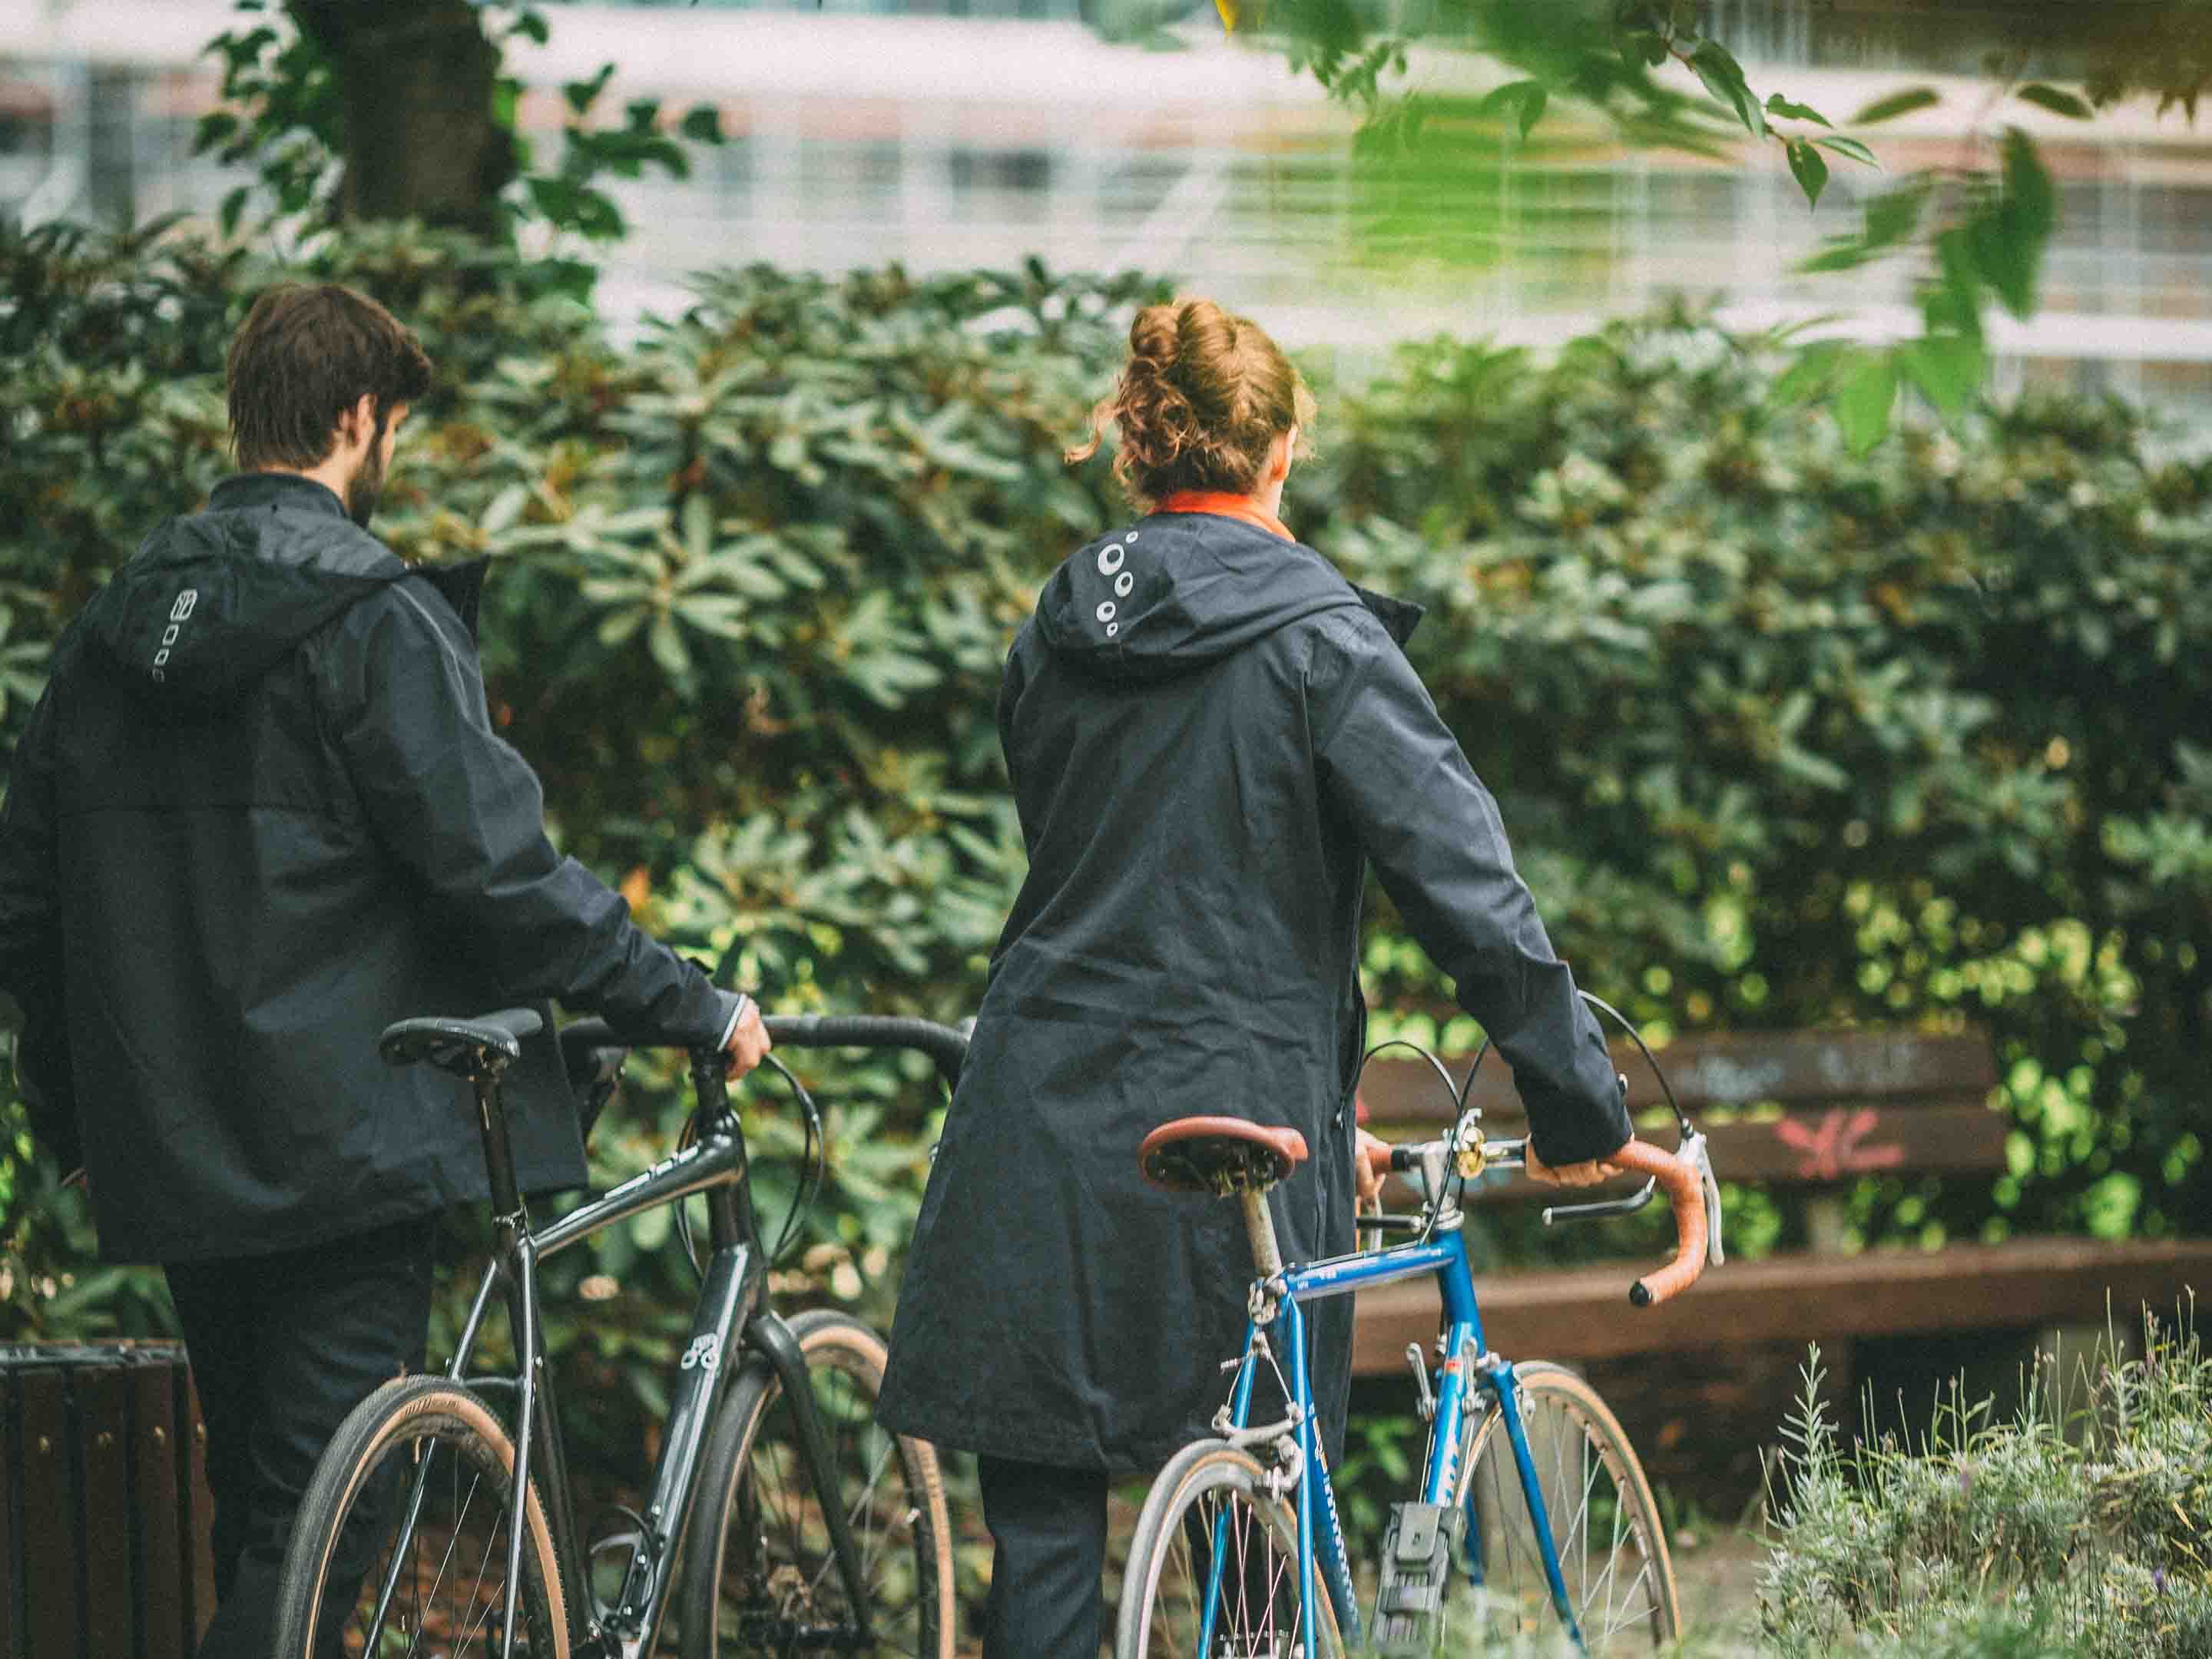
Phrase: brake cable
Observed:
(814, 1167)
(1436, 1204)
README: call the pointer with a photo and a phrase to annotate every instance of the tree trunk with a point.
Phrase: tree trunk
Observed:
(417, 79)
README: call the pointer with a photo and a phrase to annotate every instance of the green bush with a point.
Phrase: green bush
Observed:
(1783, 736)
(2083, 1530)
(1790, 737)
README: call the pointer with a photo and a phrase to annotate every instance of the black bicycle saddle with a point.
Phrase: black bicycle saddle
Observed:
(463, 1047)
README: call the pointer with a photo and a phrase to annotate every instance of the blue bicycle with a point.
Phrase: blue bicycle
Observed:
(1529, 1484)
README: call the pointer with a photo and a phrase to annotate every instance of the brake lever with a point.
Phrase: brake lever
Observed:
(1604, 1207)
(1698, 1155)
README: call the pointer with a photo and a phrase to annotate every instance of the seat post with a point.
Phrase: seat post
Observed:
(499, 1152)
(1260, 1228)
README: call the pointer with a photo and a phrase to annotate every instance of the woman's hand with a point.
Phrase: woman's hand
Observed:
(1591, 1173)
(1367, 1180)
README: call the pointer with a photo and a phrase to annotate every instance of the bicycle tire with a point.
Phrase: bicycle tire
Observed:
(1561, 1412)
(1153, 1621)
(757, 1570)
(416, 1418)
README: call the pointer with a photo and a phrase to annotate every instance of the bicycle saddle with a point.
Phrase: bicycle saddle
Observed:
(1222, 1156)
(463, 1047)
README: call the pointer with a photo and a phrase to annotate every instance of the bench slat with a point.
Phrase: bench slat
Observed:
(1838, 1144)
(1794, 1067)
(1582, 1313)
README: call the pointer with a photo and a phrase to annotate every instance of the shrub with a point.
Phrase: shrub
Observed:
(2084, 1531)
(1785, 736)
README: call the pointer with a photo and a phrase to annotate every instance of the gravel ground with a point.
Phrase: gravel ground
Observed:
(1717, 1575)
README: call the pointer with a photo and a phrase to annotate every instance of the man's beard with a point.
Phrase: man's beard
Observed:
(366, 488)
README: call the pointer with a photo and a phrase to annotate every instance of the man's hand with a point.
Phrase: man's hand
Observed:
(749, 1042)
(1364, 1176)
(1571, 1174)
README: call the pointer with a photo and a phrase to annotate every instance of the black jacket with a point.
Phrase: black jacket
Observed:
(259, 813)
(1206, 755)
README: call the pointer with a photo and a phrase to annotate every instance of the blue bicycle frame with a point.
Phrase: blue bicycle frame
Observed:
(1468, 1379)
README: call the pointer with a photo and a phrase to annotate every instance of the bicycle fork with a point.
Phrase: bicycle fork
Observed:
(1497, 1377)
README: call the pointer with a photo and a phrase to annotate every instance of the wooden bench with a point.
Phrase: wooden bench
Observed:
(1805, 1114)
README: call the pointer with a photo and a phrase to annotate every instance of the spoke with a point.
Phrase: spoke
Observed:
(1192, 1588)
(1625, 1623)
(452, 1543)
(1580, 1525)
(468, 1635)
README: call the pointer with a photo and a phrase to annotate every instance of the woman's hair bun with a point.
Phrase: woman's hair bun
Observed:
(1200, 403)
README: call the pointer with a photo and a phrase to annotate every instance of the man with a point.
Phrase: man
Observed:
(259, 813)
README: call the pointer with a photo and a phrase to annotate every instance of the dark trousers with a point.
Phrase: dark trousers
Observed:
(1048, 1528)
(281, 1348)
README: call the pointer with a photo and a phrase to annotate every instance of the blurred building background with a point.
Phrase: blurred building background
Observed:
(957, 132)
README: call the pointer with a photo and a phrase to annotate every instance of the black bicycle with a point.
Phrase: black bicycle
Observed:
(780, 1520)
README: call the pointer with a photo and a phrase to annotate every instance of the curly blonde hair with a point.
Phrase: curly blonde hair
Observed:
(1203, 398)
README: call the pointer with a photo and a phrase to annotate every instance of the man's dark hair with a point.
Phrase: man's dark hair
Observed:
(304, 356)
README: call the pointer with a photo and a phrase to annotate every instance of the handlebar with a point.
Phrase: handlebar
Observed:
(943, 1044)
(1685, 1174)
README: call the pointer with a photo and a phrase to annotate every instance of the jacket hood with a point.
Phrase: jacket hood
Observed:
(213, 601)
(1178, 590)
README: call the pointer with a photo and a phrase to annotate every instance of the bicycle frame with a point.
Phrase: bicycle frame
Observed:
(1472, 1380)
(730, 1311)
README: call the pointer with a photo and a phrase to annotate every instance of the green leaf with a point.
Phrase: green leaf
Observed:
(1862, 401)
(1891, 218)
(1956, 296)
(213, 130)
(1724, 78)
(582, 94)
(1809, 170)
(668, 648)
(1778, 105)
(1524, 98)
(703, 123)
(2006, 238)
(2029, 194)
(1897, 104)
(234, 208)
(1948, 367)
(530, 25)
(1809, 375)
(1895, 214)
(505, 509)
(1850, 149)
(2057, 102)
(1645, 48)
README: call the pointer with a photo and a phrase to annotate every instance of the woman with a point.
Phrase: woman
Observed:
(1209, 734)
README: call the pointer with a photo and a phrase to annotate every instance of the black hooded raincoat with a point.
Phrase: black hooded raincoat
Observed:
(260, 812)
(1209, 734)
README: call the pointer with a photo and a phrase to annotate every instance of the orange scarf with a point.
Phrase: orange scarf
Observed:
(1226, 506)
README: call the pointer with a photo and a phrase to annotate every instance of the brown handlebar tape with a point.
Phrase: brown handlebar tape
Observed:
(1686, 1193)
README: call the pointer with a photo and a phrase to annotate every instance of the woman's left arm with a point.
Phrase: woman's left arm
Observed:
(1384, 755)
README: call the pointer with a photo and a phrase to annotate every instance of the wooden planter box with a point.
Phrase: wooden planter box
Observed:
(104, 1505)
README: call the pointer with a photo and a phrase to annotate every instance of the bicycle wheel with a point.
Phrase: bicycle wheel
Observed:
(400, 1547)
(759, 1575)
(1210, 1495)
(1612, 1549)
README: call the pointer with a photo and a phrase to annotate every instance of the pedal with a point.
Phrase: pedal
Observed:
(1409, 1596)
